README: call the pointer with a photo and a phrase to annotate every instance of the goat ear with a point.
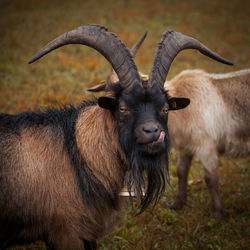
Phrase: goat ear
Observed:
(107, 102)
(99, 87)
(178, 103)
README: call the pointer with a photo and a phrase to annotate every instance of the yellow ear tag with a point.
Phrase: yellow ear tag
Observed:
(102, 81)
(174, 105)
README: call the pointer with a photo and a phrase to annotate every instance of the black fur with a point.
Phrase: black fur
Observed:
(149, 174)
(146, 172)
(90, 245)
(62, 121)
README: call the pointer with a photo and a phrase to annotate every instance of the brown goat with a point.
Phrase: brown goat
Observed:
(61, 171)
(40, 190)
(217, 122)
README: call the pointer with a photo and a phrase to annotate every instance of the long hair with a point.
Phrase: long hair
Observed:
(147, 175)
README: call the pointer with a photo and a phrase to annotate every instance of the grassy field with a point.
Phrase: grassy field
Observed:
(64, 76)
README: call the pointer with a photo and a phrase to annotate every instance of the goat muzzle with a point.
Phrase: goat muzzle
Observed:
(150, 138)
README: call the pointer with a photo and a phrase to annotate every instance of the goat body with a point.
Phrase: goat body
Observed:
(42, 167)
(61, 171)
(216, 122)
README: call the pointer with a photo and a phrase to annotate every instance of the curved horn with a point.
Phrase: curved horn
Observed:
(170, 45)
(135, 48)
(112, 75)
(107, 43)
(133, 52)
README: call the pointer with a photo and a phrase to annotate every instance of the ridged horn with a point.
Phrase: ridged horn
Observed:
(133, 52)
(170, 45)
(112, 75)
(106, 43)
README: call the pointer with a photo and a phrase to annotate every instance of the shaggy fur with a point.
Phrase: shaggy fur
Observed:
(36, 152)
(216, 122)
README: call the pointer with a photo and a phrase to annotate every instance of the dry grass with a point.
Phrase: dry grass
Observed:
(64, 76)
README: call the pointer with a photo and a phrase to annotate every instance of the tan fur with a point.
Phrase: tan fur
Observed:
(44, 169)
(50, 188)
(108, 165)
(217, 121)
(89, 142)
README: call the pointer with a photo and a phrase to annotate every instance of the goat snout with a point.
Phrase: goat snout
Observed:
(148, 132)
(151, 138)
(150, 128)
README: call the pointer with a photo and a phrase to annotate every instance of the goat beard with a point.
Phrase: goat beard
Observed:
(147, 176)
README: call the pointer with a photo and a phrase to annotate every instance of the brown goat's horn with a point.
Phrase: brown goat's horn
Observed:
(135, 48)
(107, 43)
(170, 45)
(133, 51)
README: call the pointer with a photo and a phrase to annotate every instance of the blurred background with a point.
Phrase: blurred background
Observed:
(64, 75)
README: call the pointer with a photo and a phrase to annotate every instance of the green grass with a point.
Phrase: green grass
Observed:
(64, 76)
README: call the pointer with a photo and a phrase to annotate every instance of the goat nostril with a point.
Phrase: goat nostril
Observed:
(150, 129)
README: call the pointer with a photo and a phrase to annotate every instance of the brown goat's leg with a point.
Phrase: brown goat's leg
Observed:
(210, 164)
(64, 235)
(183, 166)
(63, 241)
(66, 242)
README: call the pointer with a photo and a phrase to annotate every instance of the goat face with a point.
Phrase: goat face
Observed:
(141, 113)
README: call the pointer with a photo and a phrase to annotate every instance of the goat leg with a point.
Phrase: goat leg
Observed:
(210, 165)
(183, 166)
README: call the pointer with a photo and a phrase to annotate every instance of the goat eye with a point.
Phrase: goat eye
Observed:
(165, 110)
(122, 109)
